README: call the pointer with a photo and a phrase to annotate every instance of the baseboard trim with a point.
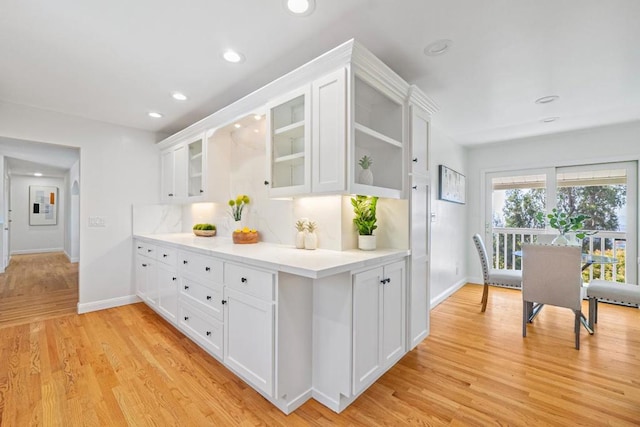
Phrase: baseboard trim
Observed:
(448, 292)
(36, 251)
(107, 303)
(71, 260)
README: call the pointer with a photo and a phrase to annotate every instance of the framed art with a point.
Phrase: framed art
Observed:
(451, 186)
(43, 208)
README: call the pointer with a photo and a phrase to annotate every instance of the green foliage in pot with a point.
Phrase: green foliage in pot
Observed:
(566, 223)
(204, 227)
(365, 209)
(365, 162)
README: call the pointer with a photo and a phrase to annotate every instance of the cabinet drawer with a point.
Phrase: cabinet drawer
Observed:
(202, 266)
(146, 249)
(203, 329)
(208, 298)
(250, 281)
(166, 255)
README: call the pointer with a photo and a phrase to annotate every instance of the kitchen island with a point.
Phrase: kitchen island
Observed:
(294, 324)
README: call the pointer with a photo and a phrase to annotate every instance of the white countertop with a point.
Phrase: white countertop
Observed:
(285, 258)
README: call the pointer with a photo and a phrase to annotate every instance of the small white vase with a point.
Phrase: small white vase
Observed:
(310, 240)
(300, 239)
(366, 177)
(560, 240)
(367, 243)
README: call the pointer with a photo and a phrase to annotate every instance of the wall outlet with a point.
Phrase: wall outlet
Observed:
(97, 221)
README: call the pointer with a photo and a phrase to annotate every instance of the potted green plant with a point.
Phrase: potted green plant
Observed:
(565, 224)
(365, 220)
(366, 176)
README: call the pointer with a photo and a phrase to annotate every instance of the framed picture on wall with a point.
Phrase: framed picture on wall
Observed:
(43, 205)
(451, 186)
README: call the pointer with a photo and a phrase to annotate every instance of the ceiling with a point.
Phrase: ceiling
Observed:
(28, 157)
(115, 61)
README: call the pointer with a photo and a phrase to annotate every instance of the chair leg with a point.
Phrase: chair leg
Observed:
(485, 297)
(593, 305)
(525, 317)
(577, 328)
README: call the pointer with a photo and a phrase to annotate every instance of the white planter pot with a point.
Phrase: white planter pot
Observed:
(300, 240)
(560, 240)
(310, 241)
(366, 177)
(367, 243)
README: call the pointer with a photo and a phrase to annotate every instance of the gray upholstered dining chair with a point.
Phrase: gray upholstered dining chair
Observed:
(492, 277)
(551, 275)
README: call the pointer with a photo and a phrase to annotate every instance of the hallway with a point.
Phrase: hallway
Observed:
(36, 287)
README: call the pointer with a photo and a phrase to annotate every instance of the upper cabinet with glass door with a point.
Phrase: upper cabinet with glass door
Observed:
(195, 168)
(288, 151)
(182, 171)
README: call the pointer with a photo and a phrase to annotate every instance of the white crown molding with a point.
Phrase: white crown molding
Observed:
(418, 97)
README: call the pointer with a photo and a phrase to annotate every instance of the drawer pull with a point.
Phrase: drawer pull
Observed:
(164, 255)
(149, 250)
(185, 262)
(186, 287)
(243, 280)
(207, 269)
(208, 333)
(144, 265)
(224, 301)
(208, 297)
(174, 278)
(186, 317)
(415, 160)
(139, 247)
(383, 281)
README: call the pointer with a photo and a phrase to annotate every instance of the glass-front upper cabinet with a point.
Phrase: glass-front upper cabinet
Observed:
(195, 155)
(289, 144)
(378, 165)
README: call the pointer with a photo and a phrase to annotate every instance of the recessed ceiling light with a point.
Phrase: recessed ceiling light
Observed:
(155, 114)
(237, 125)
(300, 7)
(233, 56)
(257, 117)
(37, 174)
(438, 47)
(178, 96)
(550, 119)
(547, 99)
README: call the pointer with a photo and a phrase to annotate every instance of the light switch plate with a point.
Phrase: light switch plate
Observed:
(97, 221)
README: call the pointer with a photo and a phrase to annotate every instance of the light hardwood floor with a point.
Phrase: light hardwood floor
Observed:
(36, 287)
(126, 366)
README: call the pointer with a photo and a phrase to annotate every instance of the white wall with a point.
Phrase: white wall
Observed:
(25, 238)
(596, 145)
(449, 236)
(119, 167)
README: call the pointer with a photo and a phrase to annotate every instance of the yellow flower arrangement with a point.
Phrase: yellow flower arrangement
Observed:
(237, 205)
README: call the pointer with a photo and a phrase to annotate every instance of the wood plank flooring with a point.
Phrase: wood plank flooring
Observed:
(128, 367)
(36, 287)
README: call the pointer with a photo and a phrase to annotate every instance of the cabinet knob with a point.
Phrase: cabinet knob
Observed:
(266, 183)
(208, 297)
(208, 333)
(185, 261)
(415, 187)
(170, 194)
(164, 255)
(174, 278)
(415, 160)
(186, 287)
(243, 280)
(384, 281)
(186, 317)
(139, 247)
(149, 250)
(144, 265)
(202, 191)
(207, 269)
(224, 301)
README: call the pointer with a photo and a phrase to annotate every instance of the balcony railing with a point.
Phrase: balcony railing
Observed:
(610, 243)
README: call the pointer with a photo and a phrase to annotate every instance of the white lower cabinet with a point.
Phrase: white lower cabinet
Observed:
(146, 274)
(249, 338)
(167, 279)
(202, 328)
(378, 322)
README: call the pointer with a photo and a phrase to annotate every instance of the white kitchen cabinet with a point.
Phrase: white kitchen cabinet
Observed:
(378, 133)
(288, 150)
(419, 140)
(182, 171)
(167, 283)
(378, 322)
(249, 338)
(146, 273)
(201, 327)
